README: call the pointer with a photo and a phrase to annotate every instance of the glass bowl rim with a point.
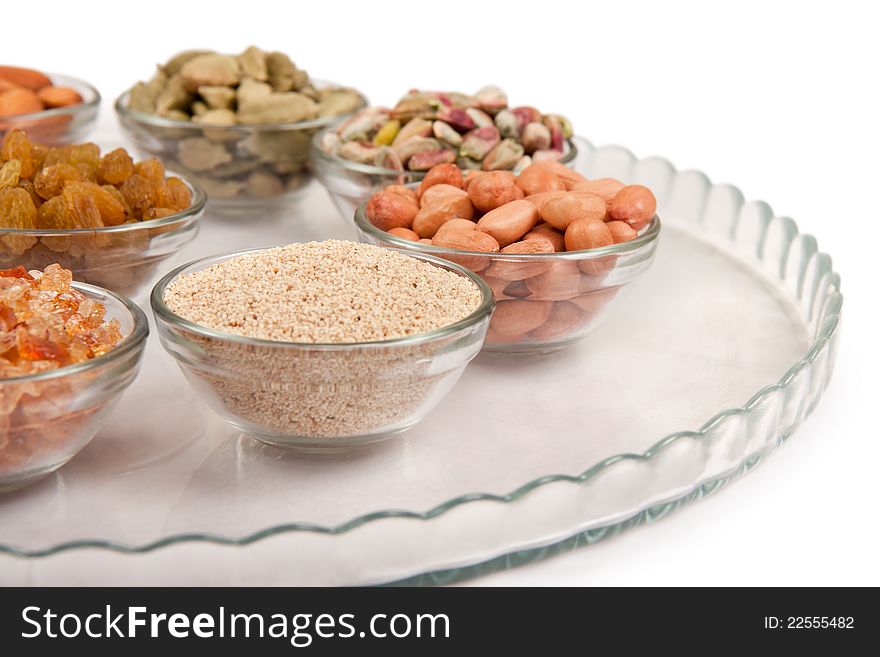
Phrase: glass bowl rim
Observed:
(82, 107)
(163, 122)
(316, 152)
(649, 235)
(199, 200)
(130, 342)
(163, 312)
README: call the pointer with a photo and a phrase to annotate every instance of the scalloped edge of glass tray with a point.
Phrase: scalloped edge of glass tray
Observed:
(790, 259)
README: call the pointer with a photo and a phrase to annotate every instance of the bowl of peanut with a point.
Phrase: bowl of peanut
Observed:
(555, 247)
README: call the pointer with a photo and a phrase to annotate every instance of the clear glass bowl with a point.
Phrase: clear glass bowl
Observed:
(320, 397)
(545, 301)
(351, 183)
(62, 125)
(243, 168)
(120, 258)
(46, 418)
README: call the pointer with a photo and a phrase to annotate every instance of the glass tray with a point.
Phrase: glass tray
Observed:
(710, 362)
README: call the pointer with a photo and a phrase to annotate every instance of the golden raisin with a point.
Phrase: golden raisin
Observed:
(119, 197)
(28, 186)
(175, 194)
(80, 209)
(87, 171)
(116, 167)
(16, 146)
(152, 170)
(51, 180)
(139, 194)
(17, 210)
(10, 173)
(52, 214)
(158, 213)
(111, 210)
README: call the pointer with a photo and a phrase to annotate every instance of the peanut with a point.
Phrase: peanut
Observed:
(468, 240)
(547, 232)
(387, 210)
(522, 268)
(404, 191)
(427, 241)
(565, 318)
(517, 317)
(538, 199)
(569, 177)
(493, 189)
(621, 231)
(455, 224)
(448, 174)
(431, 217)
(561, 281)
(535, 179)
(404, 233)
(510, 222)
(605, 188)
(593, 302)
(634, 204)
(562, 208)
(586, 234)
(440, 191)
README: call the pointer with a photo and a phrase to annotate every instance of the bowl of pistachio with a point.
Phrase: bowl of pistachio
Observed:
(238, 125)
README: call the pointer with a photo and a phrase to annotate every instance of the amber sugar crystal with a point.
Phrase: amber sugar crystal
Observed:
(45, 323)
(75, 187)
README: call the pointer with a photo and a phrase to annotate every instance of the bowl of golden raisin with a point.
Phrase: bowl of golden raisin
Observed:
(108, 219)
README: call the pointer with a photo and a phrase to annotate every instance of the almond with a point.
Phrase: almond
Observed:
(510, 222)
(53, 97)
(19, 101)
(25, 77)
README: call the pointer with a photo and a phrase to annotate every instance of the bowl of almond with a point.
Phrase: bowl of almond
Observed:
(52, 109)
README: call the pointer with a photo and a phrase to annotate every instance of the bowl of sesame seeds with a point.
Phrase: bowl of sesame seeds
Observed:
(322, 345)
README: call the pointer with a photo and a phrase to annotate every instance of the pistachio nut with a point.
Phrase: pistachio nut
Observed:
(424, 160)
(522, 163)
(358, 151)
(491, 99)
(361, 125)
(446, 133)
(387, 158)
(387, 133)
(415, 128)
(478, 142)
(467, 163)
(505, 155)
(535, 137)
(550, 154)
(567, 129)
(416, 145)
(457, 118)
(417, 106)
(555, 127)
(330, 143)
(507, 124)
(479, 117)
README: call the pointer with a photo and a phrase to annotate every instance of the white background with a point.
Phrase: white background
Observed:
(778, 98)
